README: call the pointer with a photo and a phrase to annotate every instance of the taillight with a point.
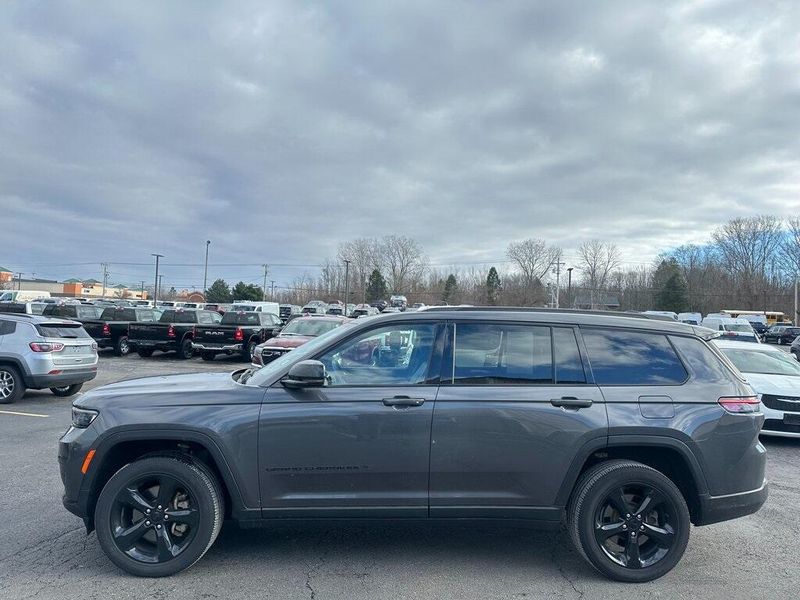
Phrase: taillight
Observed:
(46, 346)
(171, 331)
(239, 335)
(740, 404)
(106, 329)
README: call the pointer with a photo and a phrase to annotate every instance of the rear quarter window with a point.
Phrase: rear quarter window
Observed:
(622, 357)
(703, 363)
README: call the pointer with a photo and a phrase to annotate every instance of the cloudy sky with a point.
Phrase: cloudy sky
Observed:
(279, 129)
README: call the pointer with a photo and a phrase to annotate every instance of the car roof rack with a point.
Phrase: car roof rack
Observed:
(566, 311)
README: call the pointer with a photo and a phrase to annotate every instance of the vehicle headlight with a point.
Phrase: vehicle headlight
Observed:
(82, 417)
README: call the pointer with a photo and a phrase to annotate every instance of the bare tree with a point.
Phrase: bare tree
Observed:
(790, 249)
(405, 262)
(533, 257)
(364, 254)
(598, 260)
(749, 248)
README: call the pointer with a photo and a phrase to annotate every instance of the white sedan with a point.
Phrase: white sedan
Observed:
(775, 377)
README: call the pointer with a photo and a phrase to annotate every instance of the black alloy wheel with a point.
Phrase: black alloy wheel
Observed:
(186, 350)
(65, 391)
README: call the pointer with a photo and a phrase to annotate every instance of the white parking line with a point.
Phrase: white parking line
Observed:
(22, 414)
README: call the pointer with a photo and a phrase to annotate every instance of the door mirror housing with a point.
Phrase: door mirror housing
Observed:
(305, 374)
(276, 331)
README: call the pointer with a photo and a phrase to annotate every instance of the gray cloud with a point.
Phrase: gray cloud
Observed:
(278, 130)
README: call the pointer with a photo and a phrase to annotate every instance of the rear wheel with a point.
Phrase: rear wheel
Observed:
(185, 350)
(159, 515)
(121, 346)
(145, 352)
(66, 390)
(629, 521)
(12, 388)
(249, 348)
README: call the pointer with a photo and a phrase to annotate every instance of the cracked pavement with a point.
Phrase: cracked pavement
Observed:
(45, 553)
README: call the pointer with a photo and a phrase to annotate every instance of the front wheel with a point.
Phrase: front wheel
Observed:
(66, 390)
(158, 516)
(629, 521)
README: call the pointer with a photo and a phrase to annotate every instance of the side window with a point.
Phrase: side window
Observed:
(569, 367)
(7, 327)
(620, 357)
(500, 354)
(701, 360)
(392, 355)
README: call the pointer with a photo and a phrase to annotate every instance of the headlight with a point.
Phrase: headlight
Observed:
(82, 418)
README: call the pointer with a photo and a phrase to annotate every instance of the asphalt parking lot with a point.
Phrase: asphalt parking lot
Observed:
(45, 552)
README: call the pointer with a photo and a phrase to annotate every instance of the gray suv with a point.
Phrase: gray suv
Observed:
(41, 352)
(625, 428)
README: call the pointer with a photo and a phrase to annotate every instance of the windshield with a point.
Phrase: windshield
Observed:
(309, 327)
(759, 361)
(741, 327)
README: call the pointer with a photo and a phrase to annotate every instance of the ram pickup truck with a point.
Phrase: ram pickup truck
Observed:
(73, 311)
(173, 332)
(111, 329)
(237, 333)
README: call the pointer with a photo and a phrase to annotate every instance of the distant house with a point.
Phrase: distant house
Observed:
(6, 275)
(601, 301)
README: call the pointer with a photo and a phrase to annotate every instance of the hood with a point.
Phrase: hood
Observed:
(171, 390)
(289, 341)
(774, 385)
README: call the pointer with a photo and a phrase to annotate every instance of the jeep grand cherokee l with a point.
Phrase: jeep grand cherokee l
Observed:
(626, 428)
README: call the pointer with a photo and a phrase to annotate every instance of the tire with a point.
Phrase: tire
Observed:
(67, 390)
(209, 356)
(159, 551)
(12, 386)
(185, 350)
(121, 346)
(145, 352)
(591, 514)
(247, 351)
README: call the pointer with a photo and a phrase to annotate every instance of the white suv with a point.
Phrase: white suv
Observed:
(40, 352)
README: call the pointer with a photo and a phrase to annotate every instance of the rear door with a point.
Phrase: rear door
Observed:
(516, 408)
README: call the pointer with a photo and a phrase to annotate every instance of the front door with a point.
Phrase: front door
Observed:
(360, 445)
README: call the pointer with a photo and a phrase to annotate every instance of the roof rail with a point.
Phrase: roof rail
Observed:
(575, 311)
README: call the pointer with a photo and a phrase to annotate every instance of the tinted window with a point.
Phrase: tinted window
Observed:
(249, 318)
(703, 364)
(7, 327)
(392, 355)
(88, 312)
(118, 314)
(496, 354)
(569, 367)
(61, 330)
(621, 357)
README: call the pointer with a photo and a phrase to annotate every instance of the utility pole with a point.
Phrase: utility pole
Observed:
(19, 280)
(105, 277)
(569, 287)
(272, 289)
(155, 285)
(264, 287)
(346, 284)
(794, 321)
(205, 272)
(160, 279)
(558, 282)
(141, 295)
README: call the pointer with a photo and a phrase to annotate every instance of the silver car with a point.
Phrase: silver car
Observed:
(41, 352)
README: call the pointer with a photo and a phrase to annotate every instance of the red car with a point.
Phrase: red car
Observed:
(296, 333)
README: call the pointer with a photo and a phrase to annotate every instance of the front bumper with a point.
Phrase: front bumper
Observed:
(714, 509)
(217, 347)
(72, 449)
(780, 423)
(65, 378)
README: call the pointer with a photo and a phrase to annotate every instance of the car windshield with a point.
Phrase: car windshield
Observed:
(764, 362)
(740, 327)
(310, 327)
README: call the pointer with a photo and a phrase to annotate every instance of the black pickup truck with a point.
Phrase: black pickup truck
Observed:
(173, 332)
(111, 329)
(239, 333)
(82, 313)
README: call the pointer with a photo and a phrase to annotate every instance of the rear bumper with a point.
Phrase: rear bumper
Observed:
(714, 509)
(217, 347)
(62, 379)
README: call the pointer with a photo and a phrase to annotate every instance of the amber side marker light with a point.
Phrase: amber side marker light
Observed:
(87, 461)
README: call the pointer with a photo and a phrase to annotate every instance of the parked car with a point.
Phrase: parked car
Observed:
(246, 306)
(296, 333)
(41, 352)
(662, 313)
(659, 433)
(760, 329)
(781, 334)
(237, 333)
(335, 308)
(173, 332)
(380, 305)
(73, 311)
(363, 310)
(111, 329)
(418, 305)
(287, 310)
(22, 295)
(315, 307)
(739, 330)
(775, 377)
(220, 308)
(690, 318)
(398, 301)
(21, 308)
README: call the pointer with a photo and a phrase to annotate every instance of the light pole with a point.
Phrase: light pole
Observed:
(205, 271)
(264, 287)
(155, 285)
(346, 284)
(569, 286)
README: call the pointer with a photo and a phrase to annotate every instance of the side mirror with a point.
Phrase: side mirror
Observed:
(305, 374)
(276, 331)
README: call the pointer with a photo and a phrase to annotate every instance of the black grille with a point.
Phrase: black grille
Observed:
(778, 425)
(784, 403)
(270, 355)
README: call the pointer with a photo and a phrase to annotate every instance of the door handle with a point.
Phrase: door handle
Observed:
(403, 401)
(571, 402)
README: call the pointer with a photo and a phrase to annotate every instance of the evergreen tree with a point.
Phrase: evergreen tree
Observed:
(376, 287)
(669, 287)
(493, 286)
(450, 289)
(219, 292)
(247, 291)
